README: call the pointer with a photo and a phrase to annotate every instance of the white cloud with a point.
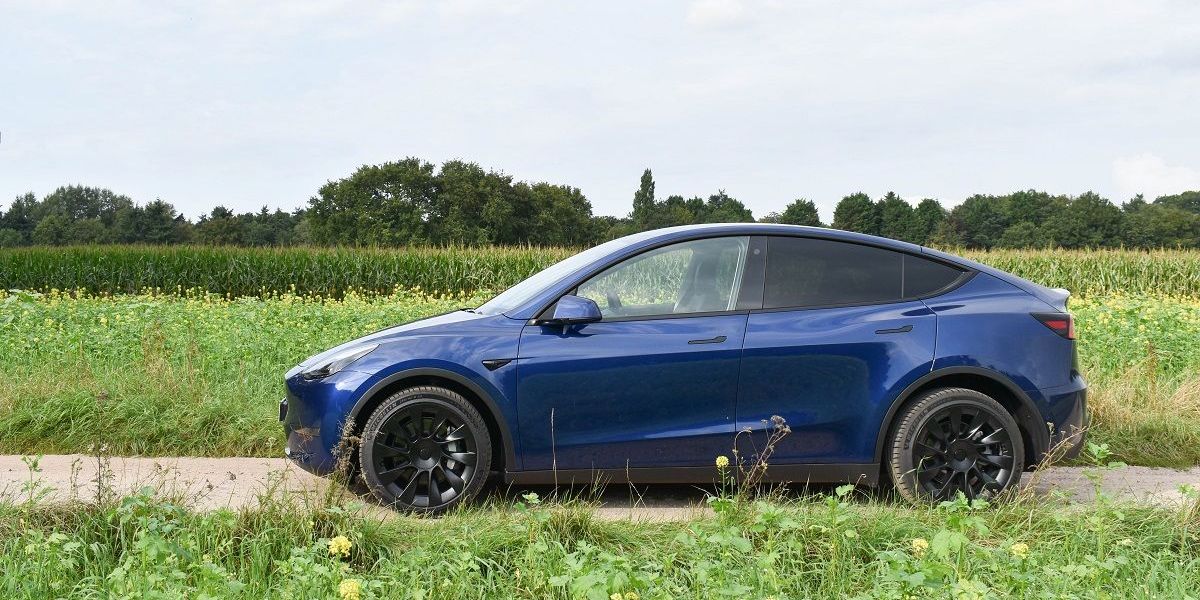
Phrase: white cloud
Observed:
(1151, 175)
(717, 13)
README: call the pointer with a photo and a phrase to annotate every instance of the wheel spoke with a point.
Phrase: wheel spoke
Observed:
(466, 458)
(994, 437)
(997, 460)
(389, 475)
(941, 492)
(456, 434)
(456, 482)
(929, 473)
(435, 492)
(930, 450)
(956, 421)
(988, 480)
(967, 487)
(409, 493)
(977, 423)
(385, 450)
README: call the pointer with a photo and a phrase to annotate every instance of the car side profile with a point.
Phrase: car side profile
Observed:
(645, 358)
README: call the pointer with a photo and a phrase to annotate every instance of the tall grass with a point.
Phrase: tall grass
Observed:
(331, 272)
(834, 546)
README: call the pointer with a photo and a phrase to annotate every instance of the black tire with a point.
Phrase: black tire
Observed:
(951, 440)
(425, 449)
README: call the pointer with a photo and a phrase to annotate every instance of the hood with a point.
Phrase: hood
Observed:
(384, 335)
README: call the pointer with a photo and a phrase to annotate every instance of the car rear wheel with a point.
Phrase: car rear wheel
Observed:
(952, 440)
(425, 449)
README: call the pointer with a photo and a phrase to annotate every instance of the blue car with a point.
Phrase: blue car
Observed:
(645, 358)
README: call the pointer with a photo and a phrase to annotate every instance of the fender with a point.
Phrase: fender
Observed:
(1028, 415)
(506, 438)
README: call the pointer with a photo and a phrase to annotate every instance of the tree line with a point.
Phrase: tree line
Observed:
(414, 202)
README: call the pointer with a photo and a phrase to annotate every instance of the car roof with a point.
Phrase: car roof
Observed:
(681, 232)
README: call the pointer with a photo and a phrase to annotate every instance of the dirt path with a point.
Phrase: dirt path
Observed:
(210, 483)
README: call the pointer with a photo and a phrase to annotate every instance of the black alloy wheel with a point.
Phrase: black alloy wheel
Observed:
(956, 440)
(425, 449)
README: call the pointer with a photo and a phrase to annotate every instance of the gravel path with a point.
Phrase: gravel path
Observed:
(210, 483)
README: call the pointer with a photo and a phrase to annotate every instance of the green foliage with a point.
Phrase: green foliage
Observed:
(801, 212)
(856, 212)
(413, 202)
(199, 374)
(832, 546)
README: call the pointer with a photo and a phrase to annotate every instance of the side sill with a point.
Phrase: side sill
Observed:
(865, 474)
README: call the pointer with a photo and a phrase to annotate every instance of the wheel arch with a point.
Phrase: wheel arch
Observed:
(502, 441)
(1034, 433)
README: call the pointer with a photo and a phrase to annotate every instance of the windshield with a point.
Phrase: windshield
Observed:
(517, 295)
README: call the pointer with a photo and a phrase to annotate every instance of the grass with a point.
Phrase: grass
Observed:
(201, 375)
(836, 545)
(331, 272)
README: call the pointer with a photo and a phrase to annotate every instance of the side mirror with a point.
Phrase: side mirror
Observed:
(573, 310)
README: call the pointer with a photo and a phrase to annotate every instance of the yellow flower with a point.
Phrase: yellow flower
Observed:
(722, 461)
(632, 596)
(350, 589)
(340, 546)
(919, 546)
(615, 596)
(1019, 549)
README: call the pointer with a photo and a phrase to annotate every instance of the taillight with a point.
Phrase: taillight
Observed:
(1061, 323)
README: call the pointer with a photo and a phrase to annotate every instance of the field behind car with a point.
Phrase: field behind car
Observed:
(190, 363)
(179, 351)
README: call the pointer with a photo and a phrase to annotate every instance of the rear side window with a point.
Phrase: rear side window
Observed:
(923, 276)
(805, 272)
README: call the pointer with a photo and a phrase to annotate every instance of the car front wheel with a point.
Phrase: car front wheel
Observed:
(955, 440)
(425, 449)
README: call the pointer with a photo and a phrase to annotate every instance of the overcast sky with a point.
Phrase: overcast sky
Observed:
(251, 103)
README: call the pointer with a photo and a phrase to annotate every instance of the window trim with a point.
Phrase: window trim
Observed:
(965, 275)
(758, 273)
(546, 311)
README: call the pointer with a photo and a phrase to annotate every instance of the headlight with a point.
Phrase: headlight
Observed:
(336, 362)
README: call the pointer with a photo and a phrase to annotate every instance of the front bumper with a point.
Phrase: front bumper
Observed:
(312, 415)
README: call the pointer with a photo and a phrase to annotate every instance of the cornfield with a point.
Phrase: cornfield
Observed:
(331, 272)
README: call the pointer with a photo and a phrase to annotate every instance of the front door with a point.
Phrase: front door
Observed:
(654, 383)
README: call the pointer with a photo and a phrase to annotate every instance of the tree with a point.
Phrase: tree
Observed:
(1189, 201)
(722, 208)
(1024, 235)
(390, 204)
(220, 228)
(644, 204)
(1160, 226)
(977, 223)
(1088, 221)
(856, 212)
(895, 218)
(19, 217)
(928, 215)
(801, 212)
(51, 230)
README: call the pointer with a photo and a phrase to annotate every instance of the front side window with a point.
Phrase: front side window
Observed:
(698, 276)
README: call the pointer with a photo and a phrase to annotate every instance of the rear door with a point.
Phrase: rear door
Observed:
(841, 332)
